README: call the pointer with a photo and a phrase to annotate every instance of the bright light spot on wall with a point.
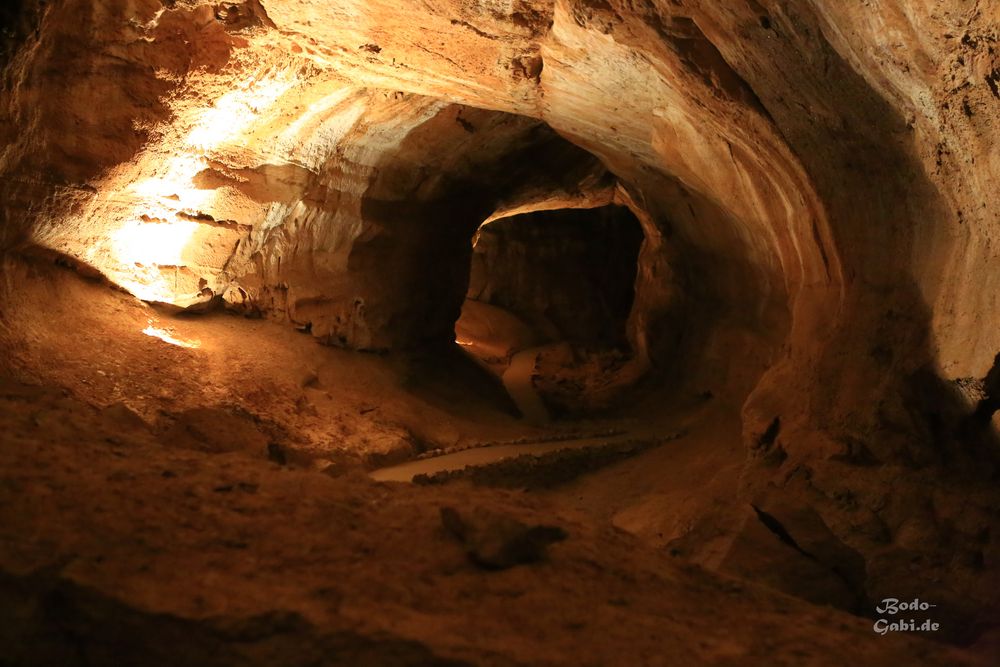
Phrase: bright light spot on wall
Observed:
(171, 189)
(236, 111)
(167, 337)
(153, 243)
(150, 255)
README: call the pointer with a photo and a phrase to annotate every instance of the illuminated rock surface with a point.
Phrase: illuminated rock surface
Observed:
(790, 251)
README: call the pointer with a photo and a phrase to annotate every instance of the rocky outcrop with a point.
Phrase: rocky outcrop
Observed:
(120, 550)
(51, 620)
(813, 180)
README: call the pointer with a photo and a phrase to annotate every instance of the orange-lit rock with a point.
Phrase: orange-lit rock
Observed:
(809, 189)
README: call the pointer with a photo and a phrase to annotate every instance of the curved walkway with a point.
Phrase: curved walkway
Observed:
(405, 472)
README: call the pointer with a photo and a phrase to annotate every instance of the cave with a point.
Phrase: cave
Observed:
(536, 332)
(553, 291)
(568, 275)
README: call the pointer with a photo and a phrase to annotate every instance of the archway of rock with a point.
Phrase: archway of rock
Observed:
(559, 285)
(812, 289)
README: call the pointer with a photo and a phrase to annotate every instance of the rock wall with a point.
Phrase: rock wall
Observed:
(813, 178)
(274, 149)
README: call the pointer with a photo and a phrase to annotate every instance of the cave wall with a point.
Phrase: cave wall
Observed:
(812, 177)
(375, 254)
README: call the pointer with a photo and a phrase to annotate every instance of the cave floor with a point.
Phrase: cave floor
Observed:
(108, 348)
(126, 546)
(125, 538)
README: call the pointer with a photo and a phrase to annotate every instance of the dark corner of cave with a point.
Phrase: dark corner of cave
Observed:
(499, 333)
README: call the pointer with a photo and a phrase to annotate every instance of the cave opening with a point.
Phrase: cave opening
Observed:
(553, 291)
(349, 306)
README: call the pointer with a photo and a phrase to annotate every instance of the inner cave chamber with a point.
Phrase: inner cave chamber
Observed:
(394, 323)
(555, 284)
(568, 275)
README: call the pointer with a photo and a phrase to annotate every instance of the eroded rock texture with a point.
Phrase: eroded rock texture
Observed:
(813, 182)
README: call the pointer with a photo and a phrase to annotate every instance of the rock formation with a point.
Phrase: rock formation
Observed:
(777, 215)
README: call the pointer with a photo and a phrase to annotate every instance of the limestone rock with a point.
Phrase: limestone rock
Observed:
(496, 542)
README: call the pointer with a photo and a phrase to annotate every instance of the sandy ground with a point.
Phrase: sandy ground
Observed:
(329, 403)
(126, 543)
(146, 519)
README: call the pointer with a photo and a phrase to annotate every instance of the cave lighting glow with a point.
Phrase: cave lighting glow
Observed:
(167, 337)
(235, 112)
(153, 243)
(155, 234)
(148, 251)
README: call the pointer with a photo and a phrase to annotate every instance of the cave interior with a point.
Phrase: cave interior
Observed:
(534, 332)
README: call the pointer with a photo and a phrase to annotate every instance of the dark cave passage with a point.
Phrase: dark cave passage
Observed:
(569, 274)
(548, 304)
(317, 316)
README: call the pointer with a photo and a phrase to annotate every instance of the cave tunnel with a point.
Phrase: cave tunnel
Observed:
(568, 275)
(360, 332)
(558, 285)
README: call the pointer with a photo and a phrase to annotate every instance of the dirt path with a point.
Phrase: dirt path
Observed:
(668, 423)
(405, 472)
